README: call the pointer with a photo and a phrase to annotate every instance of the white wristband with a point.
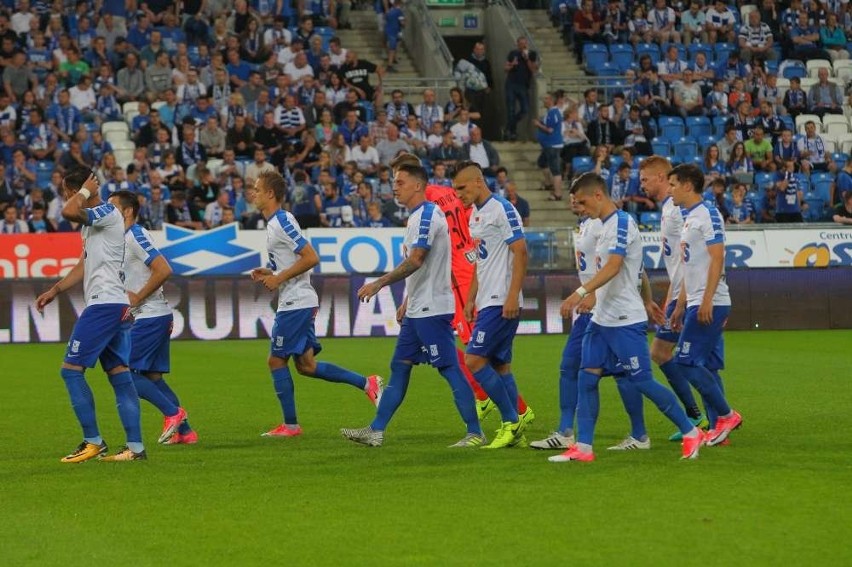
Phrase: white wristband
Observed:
(581, 291)
(85, 193)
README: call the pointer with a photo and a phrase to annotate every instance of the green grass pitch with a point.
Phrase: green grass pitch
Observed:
(779, 493)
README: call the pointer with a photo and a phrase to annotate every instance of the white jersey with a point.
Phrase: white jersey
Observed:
(618, 301)
(138, 255)
(103, 256)
(671, 227)
(284, 241)
(585, 248)
(494, 226)
(702, 227)
(429, 289)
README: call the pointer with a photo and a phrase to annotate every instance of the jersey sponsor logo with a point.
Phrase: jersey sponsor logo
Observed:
(483, 250)
(581, 261)
(634, 362)
(684, 249)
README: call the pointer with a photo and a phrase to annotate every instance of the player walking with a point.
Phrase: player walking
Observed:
(146, 270)
(616, 334)
(102, 333)
(463, 257)
(426, 332)
(495, 292)
(653, 175)
(291, 257)
(704, 294)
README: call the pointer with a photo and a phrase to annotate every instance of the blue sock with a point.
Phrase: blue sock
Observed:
(393, 395)
(588, 406)
(463, 397)
(681, 387)
(83, 403)
(490, 381)
(634, 405)
(664, 399)
(511, 387)
(712, 416)
(283, 382)
(127, 402)
(567, 397)
(706, 385)
(148, 391)
(170, 394)
(334, 373)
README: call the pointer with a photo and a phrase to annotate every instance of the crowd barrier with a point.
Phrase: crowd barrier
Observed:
(229, 251)
(233, 307)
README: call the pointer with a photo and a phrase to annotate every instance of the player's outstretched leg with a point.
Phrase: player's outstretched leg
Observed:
(83, 403)
(127, 402)
(372, 386)
(631, 397)
(282, 380)
(373, 435)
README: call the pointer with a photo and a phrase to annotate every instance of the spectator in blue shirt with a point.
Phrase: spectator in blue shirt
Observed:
(394, 21)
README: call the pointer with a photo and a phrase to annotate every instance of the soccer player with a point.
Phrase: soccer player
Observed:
(704, 295)
(616, 334)
(653, 175)
(463, 257)
(426, 332)
(102, 333)
(291, 257)
(585, 244)
(495, 292)
(145, 272)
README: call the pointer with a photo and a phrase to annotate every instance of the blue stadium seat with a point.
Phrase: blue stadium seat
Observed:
(605, 69)
(762, 179)
(822, 188)
(719, 126)
(685, 149)
(816, 206)
(756, 199)
(795, 69)
(723, 50)
(621, 55)
(772, 66)
(595, 54)
(840, 159)
(581, 164)
(650, 49)
(788, 122)
(542, 248)
(44, 169)
(699, 126)
(660, 146)
(649, 220)
(672, 128)
(696, 48)
(706, 141)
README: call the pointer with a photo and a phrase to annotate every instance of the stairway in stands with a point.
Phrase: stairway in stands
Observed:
(557, 58)
(365, 39)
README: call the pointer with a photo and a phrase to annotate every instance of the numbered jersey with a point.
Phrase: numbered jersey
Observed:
(463, 254)
(671, 227)
(618, 301)
(585, 244)
(284, 242)
(429, 289)
(103, 256)
(702, 227)
(494, 226)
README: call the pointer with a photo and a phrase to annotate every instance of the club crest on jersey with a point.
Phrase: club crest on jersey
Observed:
(470, 256)
(685, 348)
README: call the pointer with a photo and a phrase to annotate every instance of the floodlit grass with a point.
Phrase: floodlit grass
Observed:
(779, 493)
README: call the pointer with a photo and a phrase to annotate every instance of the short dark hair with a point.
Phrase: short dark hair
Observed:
(273, 181)
(589, 182)
(689, 173)
(74, 181)
(415, 171)
(127, 199)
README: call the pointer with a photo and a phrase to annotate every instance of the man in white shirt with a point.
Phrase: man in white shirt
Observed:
(461, 129)
(429, 111)
(291, 259)
(812, 150)
(257, 167)
(618, 329)
(82, 95)
(720, 23)
(495, 293)
(662, 20)
(298, 68)
(704, 303)
(426, 331)
(214, 210)
(365, 155)
(102, 332)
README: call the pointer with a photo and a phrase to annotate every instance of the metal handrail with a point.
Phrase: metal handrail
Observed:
(416, 85)
(426, 23)
(576, 84)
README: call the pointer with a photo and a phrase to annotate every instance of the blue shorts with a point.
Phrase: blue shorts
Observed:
(102, 333)
(393, 41)
(293, 333)
(149, 344)
(665, 332)
(617, 349)
(427, 340)
(573, 350)
(492, 335)
(702, 345)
